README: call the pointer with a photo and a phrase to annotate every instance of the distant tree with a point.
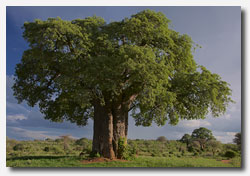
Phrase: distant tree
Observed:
(88, 68)
(202, 135)
(161, 139)
(186, 138)
(66, 139)
(81, 141)
(58, 140)
(194, 146)
(233, 147)
(237, 139)
(84, 143)
(48, 139)
(214, 146)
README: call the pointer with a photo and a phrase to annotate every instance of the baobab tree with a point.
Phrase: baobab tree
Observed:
(87, 68)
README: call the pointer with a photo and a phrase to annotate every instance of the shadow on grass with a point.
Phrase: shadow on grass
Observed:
(35, 157)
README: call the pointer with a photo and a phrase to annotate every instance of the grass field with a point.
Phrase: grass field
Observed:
(141, 161)
(150, 153)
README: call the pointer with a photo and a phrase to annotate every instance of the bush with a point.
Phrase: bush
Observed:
(161, 139)
(233, 147)
(133, 147)
(86, 150)
(48, 139)
(58, 140)
(156, 153)
(82, 141)
(57, 150)
(125, 151)
(182, 148)
(194, 146)
(46, 149)
(10, 143)
(230, 154)
(209, 154)
(18, 147)
(146, 143)
(78, 148)
(165, 154)
(196, 153)
(94, 154)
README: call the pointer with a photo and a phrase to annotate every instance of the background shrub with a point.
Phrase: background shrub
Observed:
(125, 151)
(19, 147)
(161, 139)
(196, 153)
(57, 150)
(46, 149)
(230, 154)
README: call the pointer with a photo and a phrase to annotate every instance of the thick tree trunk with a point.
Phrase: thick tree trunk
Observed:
(120, 123)
(110, 125)
(103, 131)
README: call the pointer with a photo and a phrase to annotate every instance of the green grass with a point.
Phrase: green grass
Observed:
(150, 154)
(142, 161)
(44, 161)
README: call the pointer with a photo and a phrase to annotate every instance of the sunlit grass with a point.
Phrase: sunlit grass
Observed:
(142, 161)
(150, 154)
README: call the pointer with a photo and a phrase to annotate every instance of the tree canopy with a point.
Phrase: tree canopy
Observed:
(186, 138)
(161, 139)
(203, 136)
(71, 64)
(237, 139)
(202, 133)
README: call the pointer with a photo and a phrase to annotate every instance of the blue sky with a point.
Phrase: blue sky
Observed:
(216, 29)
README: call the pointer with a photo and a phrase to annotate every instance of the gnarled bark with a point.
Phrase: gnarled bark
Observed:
(103, 131)
(110, 125)
(120, 123)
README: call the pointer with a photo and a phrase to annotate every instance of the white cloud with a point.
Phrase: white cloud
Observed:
(194, 123)
(230, 133)
(30, 134)
(227, 116)
(224, 137)
(16, 117)
(17, 107)
(235, 107)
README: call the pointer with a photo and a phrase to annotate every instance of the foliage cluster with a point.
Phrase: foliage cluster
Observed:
(71, 64)
(126, 151)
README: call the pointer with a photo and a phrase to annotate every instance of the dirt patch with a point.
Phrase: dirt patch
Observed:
(225, 161)
(100, 160)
